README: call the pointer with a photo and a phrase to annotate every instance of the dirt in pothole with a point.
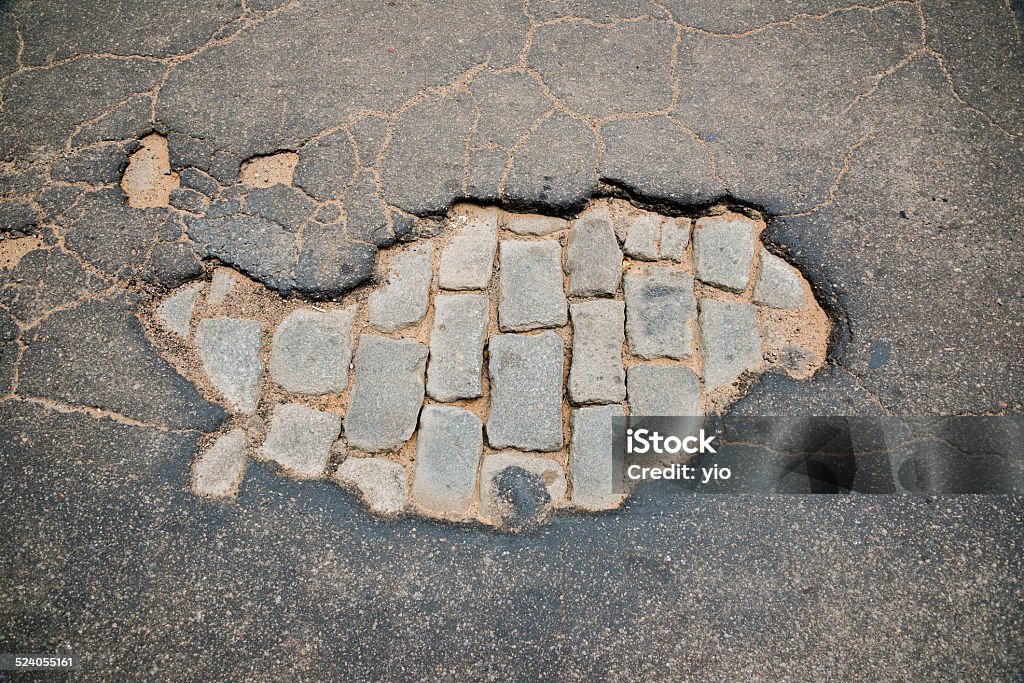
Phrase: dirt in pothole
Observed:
(148, 180)
(270, 170)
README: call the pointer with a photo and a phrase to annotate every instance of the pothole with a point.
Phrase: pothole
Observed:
(148, 180)
(490, 360)
(270, 170)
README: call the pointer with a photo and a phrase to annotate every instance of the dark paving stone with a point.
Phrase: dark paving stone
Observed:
(133, 27)
(94, 165)
(654, 157)
(185, 150)
(770, 152)
(226, 166)
(9, 44)
(8, 326)
(606, 70)
(369, 133)
(188, 200)
(833, 391)
(129, 120)
(18, 217)
(259, 248)
(738, 16)
(337, 63)
(172, 264)
(44, 107)
(18, 182)
(596, 11)
(364, 211)
(111, 235)
(509, 103)
(421, 171)
(9, 352)
(55, 199)
(96, 354)
(195, 179)
(521, 499)
(281, 204)
(43, 280)
(330, 264)
(556, 166)
(326, 166)
(483, 177)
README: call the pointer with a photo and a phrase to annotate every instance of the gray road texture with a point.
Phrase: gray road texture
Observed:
(884, 138)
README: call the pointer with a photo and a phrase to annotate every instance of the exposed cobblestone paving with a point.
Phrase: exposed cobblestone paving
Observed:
(482, 339)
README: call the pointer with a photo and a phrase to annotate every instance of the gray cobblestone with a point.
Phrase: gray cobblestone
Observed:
(175, 313)
(729, 341)
(512, 502)
(526, 391)
(642, 237)
(723, 247)
(387, 394)
(468, 260)
(663, 390)
(675, 237)
(300, 439)
(660, 305)
(532, 224)
(596, 374)
(218, 471)
(311, 351)
(778, 283)
(593, 259)
(457, 346)
(591, 466)
(404, 298)
(230, 351)
(530, 286)
(382, 484)
(448, 450)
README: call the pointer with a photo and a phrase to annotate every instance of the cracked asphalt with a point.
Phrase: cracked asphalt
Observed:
(884, 139)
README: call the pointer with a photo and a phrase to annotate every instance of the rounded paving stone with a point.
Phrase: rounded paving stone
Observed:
(311, 351)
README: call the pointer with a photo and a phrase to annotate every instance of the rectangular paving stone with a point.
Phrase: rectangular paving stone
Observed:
(468, 260)
(675, 237)
(530, 292)
(230, 351)
(642, 237)
(723, 247)
(300, 439)
(311, 351)
(455, 368)
(526, 391)
(663, 390)
(730, 342)
(387, 395)
(448, 449)
(593, 260)
(660, 305)
(532, 224)
(403, 299)
(596, 374)
(591, 465)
